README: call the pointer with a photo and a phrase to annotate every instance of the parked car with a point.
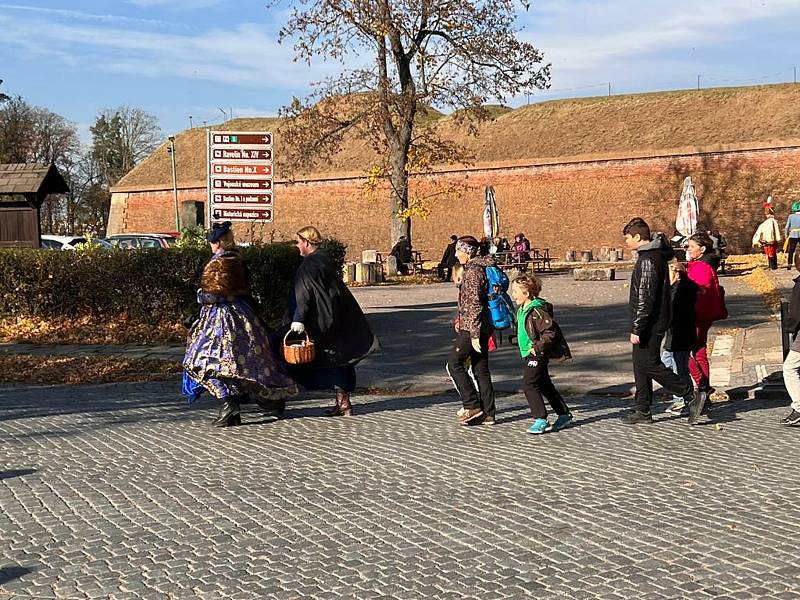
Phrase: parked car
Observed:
(62, 242)
(132, 241)
(70, 242)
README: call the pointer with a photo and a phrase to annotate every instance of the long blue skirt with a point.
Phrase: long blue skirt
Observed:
(228, 352)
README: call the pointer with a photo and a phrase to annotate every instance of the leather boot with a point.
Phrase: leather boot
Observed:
(229, 413)
(343, 406)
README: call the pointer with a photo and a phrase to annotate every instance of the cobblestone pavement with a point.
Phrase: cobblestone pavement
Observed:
(121, 491)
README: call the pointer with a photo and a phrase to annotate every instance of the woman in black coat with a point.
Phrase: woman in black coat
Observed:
(324, 308)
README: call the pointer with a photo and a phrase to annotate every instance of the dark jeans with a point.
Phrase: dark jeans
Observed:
(471, 398)
(537, 385)
(790, 251)
(647, 366)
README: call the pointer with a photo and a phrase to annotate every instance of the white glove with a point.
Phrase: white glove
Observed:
(297, 327)
(476, 345)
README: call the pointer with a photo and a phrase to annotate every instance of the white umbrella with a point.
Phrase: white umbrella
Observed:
(491, 219)
(686, 223)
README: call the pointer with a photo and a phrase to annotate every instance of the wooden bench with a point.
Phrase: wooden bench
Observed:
(539, 260)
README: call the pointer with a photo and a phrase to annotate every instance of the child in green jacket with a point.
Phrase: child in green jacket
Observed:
(540, 339)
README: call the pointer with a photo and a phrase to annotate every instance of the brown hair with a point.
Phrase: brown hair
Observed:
(311, 234)
(227, 241)
(530, 283)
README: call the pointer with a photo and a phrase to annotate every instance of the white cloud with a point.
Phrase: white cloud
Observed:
(582, 36)
(244, 55)
(79, 15)
(176, 4)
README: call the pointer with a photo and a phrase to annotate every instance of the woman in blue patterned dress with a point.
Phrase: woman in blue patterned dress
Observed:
(228, 351)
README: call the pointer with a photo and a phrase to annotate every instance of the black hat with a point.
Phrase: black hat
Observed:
(218, 230)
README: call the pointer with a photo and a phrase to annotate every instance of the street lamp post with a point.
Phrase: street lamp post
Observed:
(171, 150)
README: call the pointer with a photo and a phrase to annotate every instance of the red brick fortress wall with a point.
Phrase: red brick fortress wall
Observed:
(571, 205)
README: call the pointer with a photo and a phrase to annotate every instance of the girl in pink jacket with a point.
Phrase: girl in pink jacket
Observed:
(709, 306)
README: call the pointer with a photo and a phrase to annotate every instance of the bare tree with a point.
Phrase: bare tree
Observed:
(38, 135)
(121, 139)
(451, 54)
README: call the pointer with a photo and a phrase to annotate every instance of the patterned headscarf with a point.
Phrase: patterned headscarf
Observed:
(467, 247)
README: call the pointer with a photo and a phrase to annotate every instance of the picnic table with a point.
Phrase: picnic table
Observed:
(538, 260)
(416, 264)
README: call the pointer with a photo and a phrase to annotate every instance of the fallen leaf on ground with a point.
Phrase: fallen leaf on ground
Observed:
(77, 370)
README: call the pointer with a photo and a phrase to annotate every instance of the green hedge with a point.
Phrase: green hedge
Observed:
(149, 285)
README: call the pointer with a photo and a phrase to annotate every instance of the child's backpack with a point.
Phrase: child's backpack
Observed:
(501, 310)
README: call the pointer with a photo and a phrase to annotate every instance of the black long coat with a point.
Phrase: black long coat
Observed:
(333, 319)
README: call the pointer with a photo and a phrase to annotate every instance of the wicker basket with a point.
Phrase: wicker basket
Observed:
(298, 352)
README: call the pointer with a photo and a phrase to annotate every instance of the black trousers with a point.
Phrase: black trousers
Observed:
(471, 398)
(537, 385)
(445, 272)
(647, 367)
(790, 250)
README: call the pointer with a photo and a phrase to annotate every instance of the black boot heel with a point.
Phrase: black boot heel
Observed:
(229, 413)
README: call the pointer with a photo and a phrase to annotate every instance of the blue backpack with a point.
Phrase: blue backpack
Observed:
(501, 310)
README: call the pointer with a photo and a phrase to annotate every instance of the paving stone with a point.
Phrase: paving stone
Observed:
(124, 491)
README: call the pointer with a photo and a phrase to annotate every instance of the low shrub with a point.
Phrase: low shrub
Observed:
(150, 286)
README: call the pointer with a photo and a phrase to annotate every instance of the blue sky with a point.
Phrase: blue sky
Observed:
(176, 58)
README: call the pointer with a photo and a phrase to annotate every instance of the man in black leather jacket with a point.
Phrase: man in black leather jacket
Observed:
(651, 316)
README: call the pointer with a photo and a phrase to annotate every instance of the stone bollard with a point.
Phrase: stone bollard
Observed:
(368, 273)
(602, 255)
(369, 256)
(572, 256)
(391, 266)
(588, 274)
(586, 256)
(349, 272)
(613, 255)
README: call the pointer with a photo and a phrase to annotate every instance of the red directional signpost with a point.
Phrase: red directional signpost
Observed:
(240, 176)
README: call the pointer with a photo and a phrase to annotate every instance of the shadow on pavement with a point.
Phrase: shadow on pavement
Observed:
(10, 573)
(15, 473)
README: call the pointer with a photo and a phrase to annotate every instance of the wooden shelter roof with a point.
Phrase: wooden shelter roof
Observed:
(31, 179)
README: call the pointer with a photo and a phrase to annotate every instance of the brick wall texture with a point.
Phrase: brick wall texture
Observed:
(577, 205)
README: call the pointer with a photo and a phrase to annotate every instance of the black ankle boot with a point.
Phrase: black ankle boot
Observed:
(229, 413)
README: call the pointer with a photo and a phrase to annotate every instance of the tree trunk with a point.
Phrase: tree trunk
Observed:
(398, 197)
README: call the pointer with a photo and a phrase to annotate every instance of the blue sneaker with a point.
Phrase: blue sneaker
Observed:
(561, 422)
(539, 426)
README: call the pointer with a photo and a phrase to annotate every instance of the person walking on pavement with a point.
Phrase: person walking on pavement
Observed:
(472, 339)
(768, 236)
(791, 366)
(228, 349)
(322, 306)
(792, 233)
(540, 339)
(448, 260)
(679, 341)
(650, 313)
(709, 306)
